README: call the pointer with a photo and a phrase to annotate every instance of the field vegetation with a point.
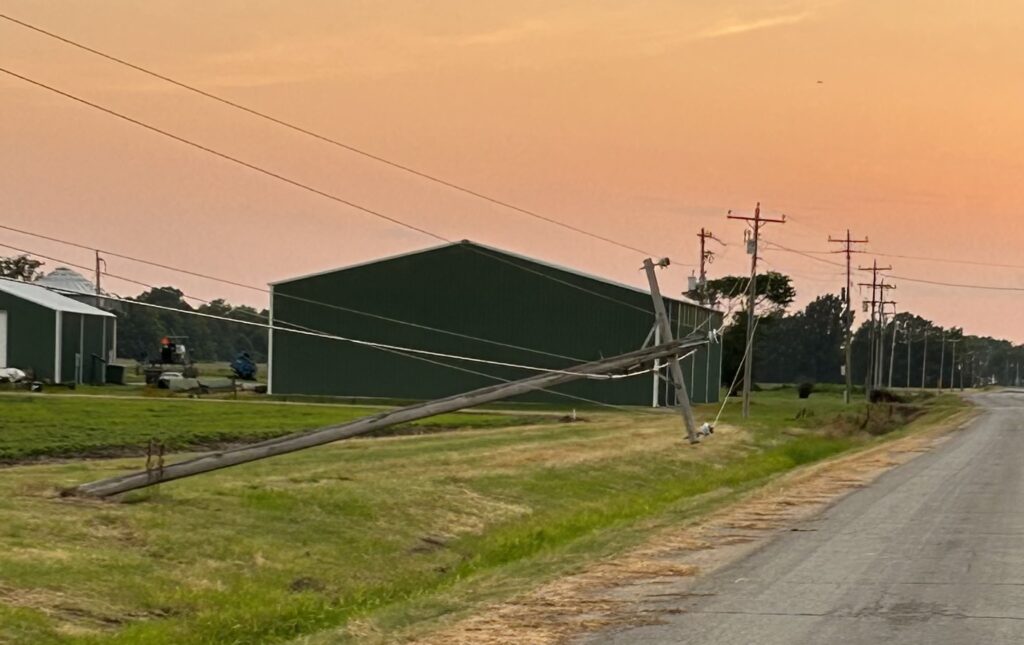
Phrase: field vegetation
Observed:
(380, 538)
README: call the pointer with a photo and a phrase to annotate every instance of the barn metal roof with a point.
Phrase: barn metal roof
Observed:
(518, 256)
(45, 298)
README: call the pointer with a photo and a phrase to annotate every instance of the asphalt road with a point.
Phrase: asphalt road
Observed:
(932, 552)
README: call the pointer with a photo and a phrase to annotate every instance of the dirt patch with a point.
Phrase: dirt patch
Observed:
(612, 592)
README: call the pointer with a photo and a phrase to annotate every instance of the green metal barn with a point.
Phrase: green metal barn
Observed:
(471, 300)
(54, 338)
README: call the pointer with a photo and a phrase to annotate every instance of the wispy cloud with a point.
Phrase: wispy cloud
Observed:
(514, 34)
(736, 27)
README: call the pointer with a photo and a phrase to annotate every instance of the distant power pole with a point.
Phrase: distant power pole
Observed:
(924, 361)
(882, 327)
(706, 257)
(873, 377)
(848, 250)
(952, 366)
(101, 264)
(942, 359)
(755, 223)
(892, 352)
(908, 334)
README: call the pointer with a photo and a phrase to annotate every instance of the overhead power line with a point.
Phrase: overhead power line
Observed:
(958, 285)
(779, 247)
(327, 139)
(950, 260)
(298, 184)
(227, 157)
(921, 258)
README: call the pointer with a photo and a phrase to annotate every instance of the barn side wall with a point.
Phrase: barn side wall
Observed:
(476, 293)
(30, 336)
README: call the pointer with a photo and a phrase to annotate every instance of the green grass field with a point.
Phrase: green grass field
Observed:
(373, 540)
(43, 426)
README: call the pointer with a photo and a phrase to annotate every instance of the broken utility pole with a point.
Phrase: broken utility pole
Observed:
(300, 441)
(752, 248)
(661, 320)
(848, 250)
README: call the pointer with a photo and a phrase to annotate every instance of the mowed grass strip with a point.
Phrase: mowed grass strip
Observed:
(370, 538)
(45, 426)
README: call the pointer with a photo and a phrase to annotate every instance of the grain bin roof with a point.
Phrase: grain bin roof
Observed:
(525, 258)
(49, 299)
(65, 280)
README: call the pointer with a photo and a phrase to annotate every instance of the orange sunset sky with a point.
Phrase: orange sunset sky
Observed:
(642, 121)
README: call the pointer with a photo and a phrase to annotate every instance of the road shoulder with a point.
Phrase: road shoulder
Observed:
(639, 587)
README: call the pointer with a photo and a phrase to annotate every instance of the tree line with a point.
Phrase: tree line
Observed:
(140, 328)
(809, 345)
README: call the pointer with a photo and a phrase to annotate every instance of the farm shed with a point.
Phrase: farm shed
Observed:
(53, 337)
(471, 300)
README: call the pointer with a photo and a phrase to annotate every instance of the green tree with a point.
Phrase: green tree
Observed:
(20, 267)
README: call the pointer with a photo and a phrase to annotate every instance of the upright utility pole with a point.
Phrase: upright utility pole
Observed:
(952, 366)
(101, 264)
(755, 223)
(892, 352)
(942, 359)
(909, 336)
(706, 257)
(882, 327)
(848, 250)
(873, 378)
(924, 361)
(661, 319)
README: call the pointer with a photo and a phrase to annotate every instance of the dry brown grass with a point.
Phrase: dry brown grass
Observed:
(606, 593)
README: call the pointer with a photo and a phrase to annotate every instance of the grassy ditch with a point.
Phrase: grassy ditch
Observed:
(371, 538)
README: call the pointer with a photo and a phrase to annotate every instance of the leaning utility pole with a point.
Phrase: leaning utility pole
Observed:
(661, 319)
(752, 248)
(848, 250)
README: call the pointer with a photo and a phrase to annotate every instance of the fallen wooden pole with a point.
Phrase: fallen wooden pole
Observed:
(300, 441)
